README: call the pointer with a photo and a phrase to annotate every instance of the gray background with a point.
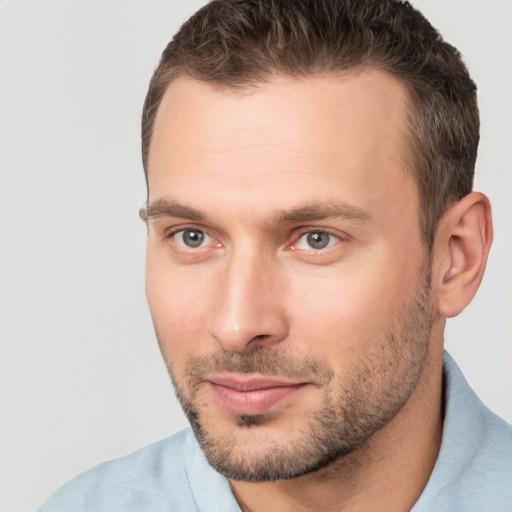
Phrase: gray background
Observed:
(81, 379)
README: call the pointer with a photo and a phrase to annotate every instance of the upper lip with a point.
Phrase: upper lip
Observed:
(251, 382)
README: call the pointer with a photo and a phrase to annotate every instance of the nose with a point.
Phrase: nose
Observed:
(248, 310)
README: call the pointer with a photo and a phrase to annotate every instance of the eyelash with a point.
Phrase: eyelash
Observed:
(182, 229)
(292, 246)
(321, 231)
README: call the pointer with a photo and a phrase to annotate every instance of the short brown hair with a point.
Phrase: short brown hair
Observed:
(236, 43)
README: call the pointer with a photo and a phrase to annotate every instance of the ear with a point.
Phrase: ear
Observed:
(462, 244)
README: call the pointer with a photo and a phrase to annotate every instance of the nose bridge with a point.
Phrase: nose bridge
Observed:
(248, 310)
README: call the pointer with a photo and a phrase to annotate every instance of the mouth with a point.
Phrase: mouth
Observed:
(251, 395)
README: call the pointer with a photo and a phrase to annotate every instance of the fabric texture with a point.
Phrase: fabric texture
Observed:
(473, 471)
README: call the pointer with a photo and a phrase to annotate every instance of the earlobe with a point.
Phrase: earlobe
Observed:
(462, 245)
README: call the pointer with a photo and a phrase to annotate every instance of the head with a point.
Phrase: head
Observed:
(238, 43)
(299, 158)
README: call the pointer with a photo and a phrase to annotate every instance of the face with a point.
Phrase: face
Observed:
(286, 274)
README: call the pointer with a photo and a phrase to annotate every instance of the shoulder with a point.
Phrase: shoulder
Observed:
(480, 471)
(484, 474)
(144, 480)
(474, 466)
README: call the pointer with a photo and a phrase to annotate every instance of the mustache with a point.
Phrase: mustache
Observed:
(270, 362)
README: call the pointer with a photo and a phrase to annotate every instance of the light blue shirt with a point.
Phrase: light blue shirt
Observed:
(473, 472)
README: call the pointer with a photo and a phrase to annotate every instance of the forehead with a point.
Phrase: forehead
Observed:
(343, 135)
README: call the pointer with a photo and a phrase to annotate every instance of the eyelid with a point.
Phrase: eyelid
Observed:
(180, 240)
(340, 236)
(176, 228)
(171, 232)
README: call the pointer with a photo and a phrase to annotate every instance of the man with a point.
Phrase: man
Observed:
(311, 225)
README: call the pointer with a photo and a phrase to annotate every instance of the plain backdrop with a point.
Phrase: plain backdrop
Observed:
(81, 379)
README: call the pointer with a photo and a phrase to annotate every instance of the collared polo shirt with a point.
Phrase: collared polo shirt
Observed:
(473, 472)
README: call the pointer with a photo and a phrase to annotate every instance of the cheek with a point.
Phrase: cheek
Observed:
(347, 314)
(179, 310)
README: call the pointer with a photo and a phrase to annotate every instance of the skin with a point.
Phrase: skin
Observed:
(246, 168)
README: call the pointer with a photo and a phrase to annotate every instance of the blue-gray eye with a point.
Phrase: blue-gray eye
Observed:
(192, 238)
(316, 240)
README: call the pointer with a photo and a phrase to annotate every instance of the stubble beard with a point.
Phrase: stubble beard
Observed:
(351, 409)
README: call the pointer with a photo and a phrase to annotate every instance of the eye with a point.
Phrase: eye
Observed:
(316, 240)
(191, 238)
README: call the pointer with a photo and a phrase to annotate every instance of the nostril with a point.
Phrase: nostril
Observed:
(258, 340)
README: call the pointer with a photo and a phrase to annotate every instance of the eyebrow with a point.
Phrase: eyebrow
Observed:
(307, 213)
(170, 208)
(321, 211)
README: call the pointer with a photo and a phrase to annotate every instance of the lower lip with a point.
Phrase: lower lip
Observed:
(257, 401)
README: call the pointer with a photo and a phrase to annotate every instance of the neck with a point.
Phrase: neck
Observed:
(387, 473)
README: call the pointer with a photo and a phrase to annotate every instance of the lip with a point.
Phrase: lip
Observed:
(251, 395)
